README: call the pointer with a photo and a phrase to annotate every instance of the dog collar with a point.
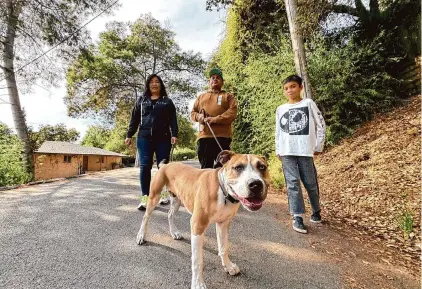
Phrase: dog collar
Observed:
(227, 196)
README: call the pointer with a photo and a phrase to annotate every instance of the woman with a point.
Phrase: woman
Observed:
(155, 116)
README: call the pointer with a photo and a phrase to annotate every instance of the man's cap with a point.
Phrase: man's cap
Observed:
(216, 71)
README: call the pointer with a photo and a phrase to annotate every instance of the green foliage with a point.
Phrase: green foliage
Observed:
(116, 143)
(57, 132)
(187, 134)
(257, 86)
(105, 79)
(96, 136)
(406, 224)
(218, 4)
(183, 153)
(276, 173)
(350, 84)
(354, 74)
(12, 166)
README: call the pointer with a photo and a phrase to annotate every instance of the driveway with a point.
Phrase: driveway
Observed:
(80, 233)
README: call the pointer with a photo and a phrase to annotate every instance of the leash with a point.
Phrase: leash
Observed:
(213, 134)
(171, 153)
(227, 196)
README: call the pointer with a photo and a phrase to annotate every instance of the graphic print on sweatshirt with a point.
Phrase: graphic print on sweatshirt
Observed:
(295, 121)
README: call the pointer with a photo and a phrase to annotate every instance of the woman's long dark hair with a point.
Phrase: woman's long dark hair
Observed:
(147, 91)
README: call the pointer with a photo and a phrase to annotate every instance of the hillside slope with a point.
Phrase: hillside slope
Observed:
(372, 180)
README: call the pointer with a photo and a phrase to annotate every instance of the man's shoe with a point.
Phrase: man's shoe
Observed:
(298, 225)
(316, 217)
(164, 200)
(143, 204)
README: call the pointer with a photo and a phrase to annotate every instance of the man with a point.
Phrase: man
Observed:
(217, 108)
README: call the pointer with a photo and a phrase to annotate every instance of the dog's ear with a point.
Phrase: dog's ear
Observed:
(224, 156)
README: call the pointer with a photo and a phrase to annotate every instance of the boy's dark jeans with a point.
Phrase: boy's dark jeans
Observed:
(298, 169)
(147, 146)
(208, 150)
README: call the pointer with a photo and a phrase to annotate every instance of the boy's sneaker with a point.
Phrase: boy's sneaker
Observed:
(298, 225)
(143, 204)
(164, 200)
(316, 217)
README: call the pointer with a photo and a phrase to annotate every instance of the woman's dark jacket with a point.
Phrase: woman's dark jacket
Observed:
(159, 121)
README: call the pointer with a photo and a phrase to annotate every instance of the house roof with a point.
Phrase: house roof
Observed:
(61, 147)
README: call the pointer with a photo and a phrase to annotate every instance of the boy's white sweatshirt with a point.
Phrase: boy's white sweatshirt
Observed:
(300, 129)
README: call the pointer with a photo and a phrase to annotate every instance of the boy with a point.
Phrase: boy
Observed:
(300, 134)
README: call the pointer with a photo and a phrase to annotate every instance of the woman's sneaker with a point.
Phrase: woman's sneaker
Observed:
(316, 217)
(143, 204)
(164, 200)
(298, 225)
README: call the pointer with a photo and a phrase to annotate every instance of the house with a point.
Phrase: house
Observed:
(57, 159)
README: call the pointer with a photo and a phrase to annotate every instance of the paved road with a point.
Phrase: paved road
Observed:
(80, 233)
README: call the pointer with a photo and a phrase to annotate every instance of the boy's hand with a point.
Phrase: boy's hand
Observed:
(279, 157)
(128, 141)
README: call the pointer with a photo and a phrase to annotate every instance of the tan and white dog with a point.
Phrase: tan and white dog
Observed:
(210, 196)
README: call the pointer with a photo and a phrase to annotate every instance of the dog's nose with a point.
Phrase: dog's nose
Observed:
(256, 186)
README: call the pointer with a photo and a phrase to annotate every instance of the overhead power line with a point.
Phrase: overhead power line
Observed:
(61, 42)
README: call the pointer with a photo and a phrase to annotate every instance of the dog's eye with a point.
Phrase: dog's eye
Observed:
(262, 167)
(239, 168)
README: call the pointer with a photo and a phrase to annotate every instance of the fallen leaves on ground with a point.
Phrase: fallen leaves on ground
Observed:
(371, 181)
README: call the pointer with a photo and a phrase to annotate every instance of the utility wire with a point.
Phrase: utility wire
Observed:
(61, 42)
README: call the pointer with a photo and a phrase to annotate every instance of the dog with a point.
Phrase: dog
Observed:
(210, 196)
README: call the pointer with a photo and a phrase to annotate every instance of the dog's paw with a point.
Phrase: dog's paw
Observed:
(232, 269)
(177, 236)
(140, 239)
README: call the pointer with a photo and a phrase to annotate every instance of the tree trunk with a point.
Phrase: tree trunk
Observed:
(298, 47)
(155, 59)
(12, 89)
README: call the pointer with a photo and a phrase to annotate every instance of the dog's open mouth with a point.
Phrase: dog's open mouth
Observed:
(252, 204)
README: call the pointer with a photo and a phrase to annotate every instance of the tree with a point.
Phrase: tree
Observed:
(57, 132)
(298, 47)
(187, 134)
(96, 136)
(116, 143)
(106, 79)
(26, 27)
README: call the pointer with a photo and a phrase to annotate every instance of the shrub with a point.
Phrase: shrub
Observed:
(12, 165)
(276, 174)
(181, 154)
(406, 224)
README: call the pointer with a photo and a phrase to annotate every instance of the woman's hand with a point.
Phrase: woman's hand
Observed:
(173, 140)
(128, 141)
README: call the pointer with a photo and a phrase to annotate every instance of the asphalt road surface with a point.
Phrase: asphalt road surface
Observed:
(80, 233)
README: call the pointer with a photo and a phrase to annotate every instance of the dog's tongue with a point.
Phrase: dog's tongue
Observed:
(253, 204)
(254, 201)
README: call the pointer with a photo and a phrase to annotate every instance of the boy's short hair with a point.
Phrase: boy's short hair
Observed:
(293, 78)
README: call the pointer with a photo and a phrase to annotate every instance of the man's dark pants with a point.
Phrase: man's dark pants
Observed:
(208, 150)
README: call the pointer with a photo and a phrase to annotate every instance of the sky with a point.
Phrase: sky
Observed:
(196, 29)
